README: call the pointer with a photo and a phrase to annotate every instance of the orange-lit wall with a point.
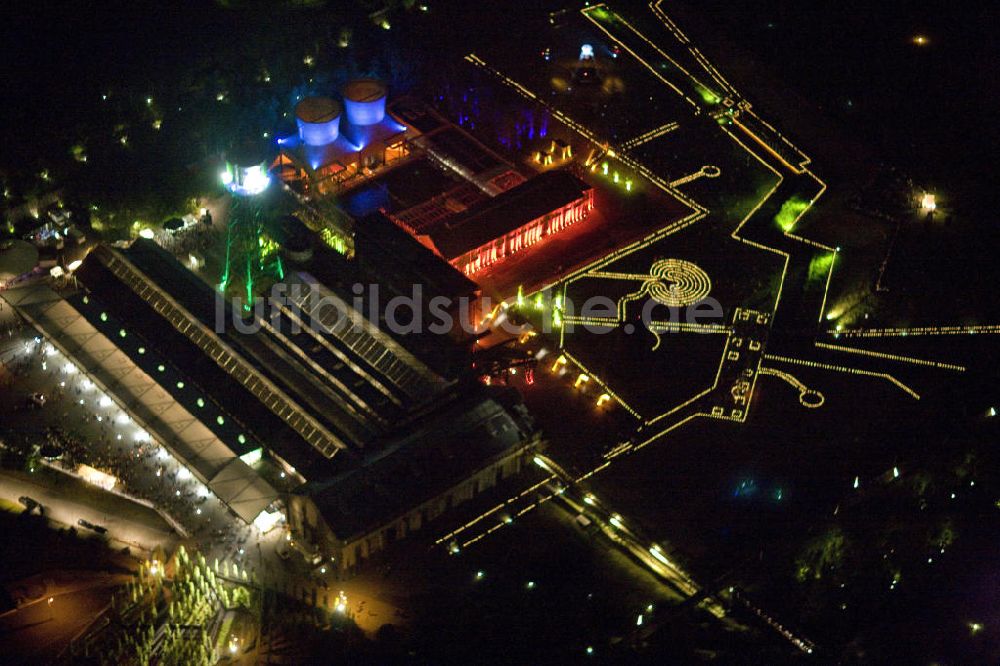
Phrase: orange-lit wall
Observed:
(525, 236)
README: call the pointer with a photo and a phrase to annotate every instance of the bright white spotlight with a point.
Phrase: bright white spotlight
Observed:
(255, 181)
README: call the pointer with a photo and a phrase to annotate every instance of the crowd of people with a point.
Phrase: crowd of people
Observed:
(92, 430)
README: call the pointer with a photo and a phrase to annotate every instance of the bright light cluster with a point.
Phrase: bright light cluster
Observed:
(245, 181)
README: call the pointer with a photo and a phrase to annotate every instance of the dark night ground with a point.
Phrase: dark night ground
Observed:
(892, 110)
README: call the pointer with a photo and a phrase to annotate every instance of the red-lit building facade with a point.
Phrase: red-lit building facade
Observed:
(513, 221)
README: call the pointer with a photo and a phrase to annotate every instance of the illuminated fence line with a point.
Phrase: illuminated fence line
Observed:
(815, 198)
(626, 447)
(692, 399)
(763, 144)
(797, 385)
(587, 475)
(607, 389)
(556, 474)
(800, 642)
(671, 327)
(797, 168)
(668, 22)
(534, 505)
(588, 10)
(826, 290)
(704, 172)
(692, 49)
(663, 433)
(721, 80)
(490, 512)
(715, 383)
(892, 357)
(650, 135)
(988, 329)
(618, 449)
(644, 171)
(649, 42)
(698, 85)
(757, 157)
(806, 160)
(760, 204)
(661, 326)
(684, 180)
(843, 369)
(753, 211)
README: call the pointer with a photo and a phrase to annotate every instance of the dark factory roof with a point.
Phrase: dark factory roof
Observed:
(381, 243)
(387, 256)
(420, 465)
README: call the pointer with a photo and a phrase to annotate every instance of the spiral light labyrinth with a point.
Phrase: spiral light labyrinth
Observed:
(672, 282)
(677, 283)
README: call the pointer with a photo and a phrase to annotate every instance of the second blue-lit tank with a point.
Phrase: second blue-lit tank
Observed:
(364, 102)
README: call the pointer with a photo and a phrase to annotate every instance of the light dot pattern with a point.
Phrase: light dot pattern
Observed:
(678, 283)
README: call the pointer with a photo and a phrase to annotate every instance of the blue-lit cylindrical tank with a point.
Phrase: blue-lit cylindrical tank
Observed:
(364, 102)
(318, 119)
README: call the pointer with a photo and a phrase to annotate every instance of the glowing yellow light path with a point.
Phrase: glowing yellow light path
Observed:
(587, 11)
(803, 390)
(986, 329)
(692, 49)
(650, 135)
(843, 369)
(892, 357)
